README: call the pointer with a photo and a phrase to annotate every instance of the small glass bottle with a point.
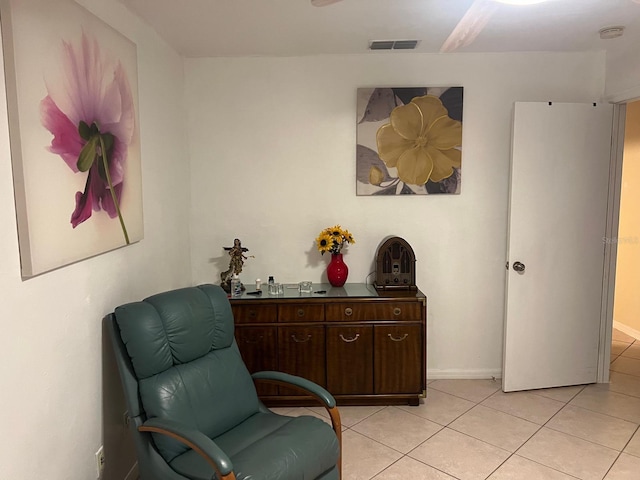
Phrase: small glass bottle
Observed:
(271, 280)
(236, 286)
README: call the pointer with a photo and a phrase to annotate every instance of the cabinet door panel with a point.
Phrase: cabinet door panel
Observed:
(259, 349)
(350, 359)
(398, 361)
(302, 353)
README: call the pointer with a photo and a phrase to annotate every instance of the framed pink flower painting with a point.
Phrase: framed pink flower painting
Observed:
(409, 141)
(73, 123)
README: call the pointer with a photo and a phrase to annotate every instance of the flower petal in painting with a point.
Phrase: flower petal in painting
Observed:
(95, 89)
(415, 166)
(93, 95)
(106, 200)
(407, 121)
(391, 145)
(420, 140)
(84, 204)
(431, 108)
(445, 133)
(66, 141)
(443, 162)
(454, 155)
(96, 196)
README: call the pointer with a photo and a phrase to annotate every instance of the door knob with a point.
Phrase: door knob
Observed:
(518, 266)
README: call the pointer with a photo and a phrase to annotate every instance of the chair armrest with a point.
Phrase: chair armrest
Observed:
(196, 440)
(302, 383)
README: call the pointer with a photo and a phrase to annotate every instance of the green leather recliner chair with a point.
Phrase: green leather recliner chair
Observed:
(193, 404)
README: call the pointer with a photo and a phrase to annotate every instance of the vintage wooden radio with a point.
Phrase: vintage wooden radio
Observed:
(395, 265)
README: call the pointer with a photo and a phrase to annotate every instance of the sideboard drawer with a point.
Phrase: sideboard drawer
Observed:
(371, 311)
(301, 313)
(255, 313)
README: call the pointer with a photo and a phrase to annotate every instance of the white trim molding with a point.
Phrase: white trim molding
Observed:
(454, 374)
(624, 96)
(627, 329)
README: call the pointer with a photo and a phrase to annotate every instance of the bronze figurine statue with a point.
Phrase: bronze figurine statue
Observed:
(235, 264)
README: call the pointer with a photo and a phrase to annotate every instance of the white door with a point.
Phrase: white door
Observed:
(557, 218)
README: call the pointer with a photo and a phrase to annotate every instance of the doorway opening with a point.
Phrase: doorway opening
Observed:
(620, 308)
(626, 301)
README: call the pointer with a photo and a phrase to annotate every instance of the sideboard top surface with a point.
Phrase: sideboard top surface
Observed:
(349, 292)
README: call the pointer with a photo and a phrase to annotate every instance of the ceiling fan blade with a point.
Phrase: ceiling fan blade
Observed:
(323, 3)
(470, 25)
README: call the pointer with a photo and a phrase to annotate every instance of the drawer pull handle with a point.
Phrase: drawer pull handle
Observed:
(349, 340)
(254, 339)
(252, 314)
(301, 312)
(348, 311)
(397, 311)
(398, 339)
(298, 340)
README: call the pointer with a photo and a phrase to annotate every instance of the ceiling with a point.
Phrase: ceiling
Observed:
(212, 28)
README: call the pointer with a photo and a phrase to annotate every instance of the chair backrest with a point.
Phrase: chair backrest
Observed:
(186, 362)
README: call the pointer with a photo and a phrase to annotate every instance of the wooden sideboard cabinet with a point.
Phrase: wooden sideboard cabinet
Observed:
(365, 347)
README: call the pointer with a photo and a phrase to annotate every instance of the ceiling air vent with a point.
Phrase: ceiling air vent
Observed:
(381, 45)
(393, 44)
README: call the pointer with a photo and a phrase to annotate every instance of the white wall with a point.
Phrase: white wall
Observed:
(272, 147)
(53, 377)
(623, 71)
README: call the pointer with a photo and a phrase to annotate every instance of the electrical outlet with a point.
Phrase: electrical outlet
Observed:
(100, 461)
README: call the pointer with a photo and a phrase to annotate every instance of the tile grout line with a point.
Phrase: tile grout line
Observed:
(540, 427)
(479, 403)
(622, 451)
(636, 432)
(475, 403)
(566, 404)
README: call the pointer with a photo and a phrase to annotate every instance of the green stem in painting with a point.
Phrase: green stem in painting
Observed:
(113, 192)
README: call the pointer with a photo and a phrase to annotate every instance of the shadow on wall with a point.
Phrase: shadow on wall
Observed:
(119, 450)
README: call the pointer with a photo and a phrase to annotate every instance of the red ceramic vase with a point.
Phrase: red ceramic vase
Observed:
(337, 270)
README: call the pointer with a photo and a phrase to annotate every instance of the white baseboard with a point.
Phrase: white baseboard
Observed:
(133, 473)
(626, 329)
(453, 374)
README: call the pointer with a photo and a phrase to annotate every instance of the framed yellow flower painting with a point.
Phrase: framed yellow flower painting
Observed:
(409, 140)
(72, 99)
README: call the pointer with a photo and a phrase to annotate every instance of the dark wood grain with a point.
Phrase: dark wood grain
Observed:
(301, 351)
(315, 338)
(259, 349)
(398, 365)
(350, 359)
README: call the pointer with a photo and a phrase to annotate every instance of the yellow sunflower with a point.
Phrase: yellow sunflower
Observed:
(348, 237)
(336, 233)
(332, 239)
(324, 242)
(420, 141)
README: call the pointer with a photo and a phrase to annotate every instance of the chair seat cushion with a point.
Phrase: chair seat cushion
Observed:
(268, 446)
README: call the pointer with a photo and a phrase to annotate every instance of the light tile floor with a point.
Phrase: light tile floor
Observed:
(471, 430)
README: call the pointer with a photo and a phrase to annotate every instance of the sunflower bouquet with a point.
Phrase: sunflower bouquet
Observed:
(332, 239)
